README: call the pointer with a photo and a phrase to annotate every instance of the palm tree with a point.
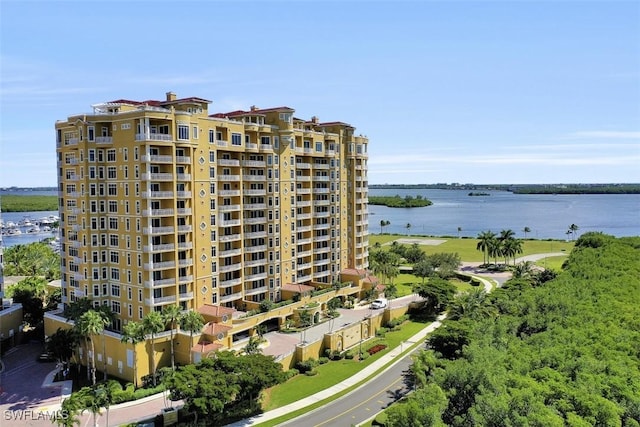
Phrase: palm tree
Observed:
(133, 332)
(253, 346)
(408, 227)
(90, 325)
(573, 229)
(108, 316)
(522, 270)
(153, 324)
(485, 238)
(526, 230)
(172, 315)
(192, 322)
(459, 230)
(507, 234)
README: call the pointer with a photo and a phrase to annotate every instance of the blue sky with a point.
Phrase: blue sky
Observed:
(469, 92)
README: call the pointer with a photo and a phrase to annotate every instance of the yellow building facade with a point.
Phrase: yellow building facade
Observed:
(163, 203)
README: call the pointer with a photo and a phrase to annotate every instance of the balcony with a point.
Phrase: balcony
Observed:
(303, 178)
(230, 267)
(160, 283)
(259, 248)
(104, 139)
(322, 262)
(184, 211)
(231, 282)
(183, 160)
(304, 241)
(253, 192)
(303, 190)
(255, 235)
(303, 254)
(302, 203)
(183, 177)
(230, 193)
(228, 208)
(148, 176)
(321, 190)
(317, 251)
(321, 178)
(230, 252)
(254, 178)
(254, 291)
(254, 263)
(330, 153)
(320, 166)
(160, 300)
(157, 159)
(256, 276)
(251, 145)
(157, 194)
(229, 222)
(303, 216)
(183, 194)
(255, 206)
(230, 297)
(321, 226)
(185, 279)
(228, 162)
(321, 238)
(222, 142)
(303, 165)
(162, 265)
(302, 279)
(321, 203)
(185, 296)
(185, 262)
(230, 238)
(303, 229)
(266, 148)
(185, 245)
(228, 178)
(153, 137)
(158, 248)
(184, 229)
(157, 230)
(304, 266)
(157, 212)
(254, 163)
(320, 215)
(257, 220)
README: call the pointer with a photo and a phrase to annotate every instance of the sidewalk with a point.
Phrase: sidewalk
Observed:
(357, 379)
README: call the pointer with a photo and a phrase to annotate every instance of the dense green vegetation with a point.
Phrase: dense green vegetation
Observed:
(579, 189)
(562, 352)
(400, 202)
(13, 203)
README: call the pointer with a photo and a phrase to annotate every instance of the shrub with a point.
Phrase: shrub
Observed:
(323, 360)
(381, 332)
(290, 374)
(306, 365)
(336, 355)
(348, 355)
(311, 373)
(364, 355)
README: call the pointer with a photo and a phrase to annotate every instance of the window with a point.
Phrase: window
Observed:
(113, 208)
(111, 155)
(115, 290)
(91, 133)
(195, 132)
(236, 139)
(112, 172)
(212, 156)
(212, 136)
(92, 155)
(112, 189)
(319, 147)
(183, 132)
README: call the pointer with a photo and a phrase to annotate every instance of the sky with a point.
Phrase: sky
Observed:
(482, 92)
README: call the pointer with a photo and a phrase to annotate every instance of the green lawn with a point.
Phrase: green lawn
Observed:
(333, 372)
(467, 247)
(552, 263)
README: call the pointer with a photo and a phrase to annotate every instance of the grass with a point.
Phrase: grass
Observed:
(333, 372)
(13, 203)
(552, 263)
(466, 248)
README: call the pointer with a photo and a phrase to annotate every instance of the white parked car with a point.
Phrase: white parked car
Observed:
(379, 303)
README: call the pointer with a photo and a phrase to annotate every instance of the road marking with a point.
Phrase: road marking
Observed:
(361, 403)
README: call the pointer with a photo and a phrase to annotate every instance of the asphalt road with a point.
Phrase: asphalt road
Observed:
(367, 400)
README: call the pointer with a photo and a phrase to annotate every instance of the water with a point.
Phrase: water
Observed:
(25, 237)
(548, 216)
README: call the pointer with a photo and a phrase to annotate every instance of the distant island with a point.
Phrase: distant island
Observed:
(478, 193)
(522, 188)
(400, 202)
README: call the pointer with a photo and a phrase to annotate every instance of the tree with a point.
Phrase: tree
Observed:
(253, 346)
(61, 344)
(204, 390)
(304, 318)
(34, 259)
(77, 308)
(153, 324)
(424, 269)
(414, 254)
(485, 240)
(459, 230)
(438, 293)
(133, 332)
(408, 227)
(522, 270)
(90, 325)
(108, 316)
(525, 231)
(445, 263)
(192, 322)
(472, 305)
(71, 408)
(573, 229)
(172, 315)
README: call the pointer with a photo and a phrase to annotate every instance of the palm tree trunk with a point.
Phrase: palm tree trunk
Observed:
(153, 358)
(135, 367)
(93, 363)
(173, 358)
(190, 346)
(104, 355)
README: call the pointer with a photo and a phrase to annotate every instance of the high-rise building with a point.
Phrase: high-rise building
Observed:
(163, 203)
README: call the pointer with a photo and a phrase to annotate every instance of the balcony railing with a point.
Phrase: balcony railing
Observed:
(185, 262)
(230, 238)
(228, 208)
(255, 235)
(154, 158)
(184, 229)
(254, 206)
(230, 267)
(185, 245)
(184, 211)
(157, 194)
(148, 176)
(257, 276)
(162, 265)
(157, 212)
(153, 137)
(159, 248)
(230, 192)
(228, 177)
(254, 163)
(254, 291)
(230, 222)
(230, 252)
(183, 160)
(104, 139)
(254, 192)
(254, 177)
(157, 230)
(230, 297)
(185, 279)
(185, 296)
(259, 248)
(231, 282)
(257, 220)
(160, 283)
(228, 162)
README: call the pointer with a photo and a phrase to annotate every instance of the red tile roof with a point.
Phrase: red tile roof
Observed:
(214, 329)
(297, 288)
(206, 347)
(215, 310)
(353, 271)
